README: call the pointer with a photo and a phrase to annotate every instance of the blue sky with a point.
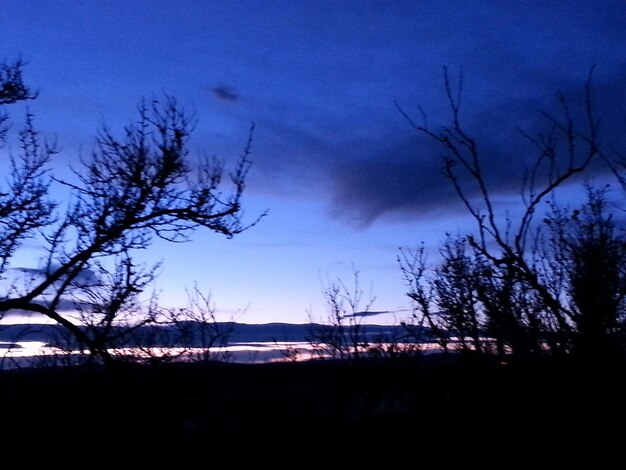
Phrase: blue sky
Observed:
(345, 178)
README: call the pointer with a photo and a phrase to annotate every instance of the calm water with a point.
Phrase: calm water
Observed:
(37, 353)
(34, 353)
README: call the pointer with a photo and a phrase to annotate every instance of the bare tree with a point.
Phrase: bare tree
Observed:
(589, 258)
(24, 205)
(523, 282)
(340, 336)
(109, 305)
(12, 90)
(132, 190)
(12, 86)
(446, 298)
(198, 330)
(145, 332)
(424, 326)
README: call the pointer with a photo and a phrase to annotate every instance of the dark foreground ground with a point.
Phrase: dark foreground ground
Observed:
(431, 414)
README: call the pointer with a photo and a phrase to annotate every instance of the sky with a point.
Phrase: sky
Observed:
(344, 177)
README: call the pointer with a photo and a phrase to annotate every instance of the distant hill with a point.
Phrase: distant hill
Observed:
(236, 332)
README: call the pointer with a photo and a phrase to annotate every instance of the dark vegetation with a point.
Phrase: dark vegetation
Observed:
(528, 312)
(418, 412)
(551, 281)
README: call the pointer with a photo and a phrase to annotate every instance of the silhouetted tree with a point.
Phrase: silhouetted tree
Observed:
(198, 330)
(527, 287)
(589, 257)
(12, 90)
(12, 86)
(133, 189)
(340, 336)
(24, 203)
(344, 333)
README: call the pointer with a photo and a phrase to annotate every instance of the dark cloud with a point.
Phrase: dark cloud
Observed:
(327, 126)
(225, 93)
(514, 59)
(407, 177)
(65, 304)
